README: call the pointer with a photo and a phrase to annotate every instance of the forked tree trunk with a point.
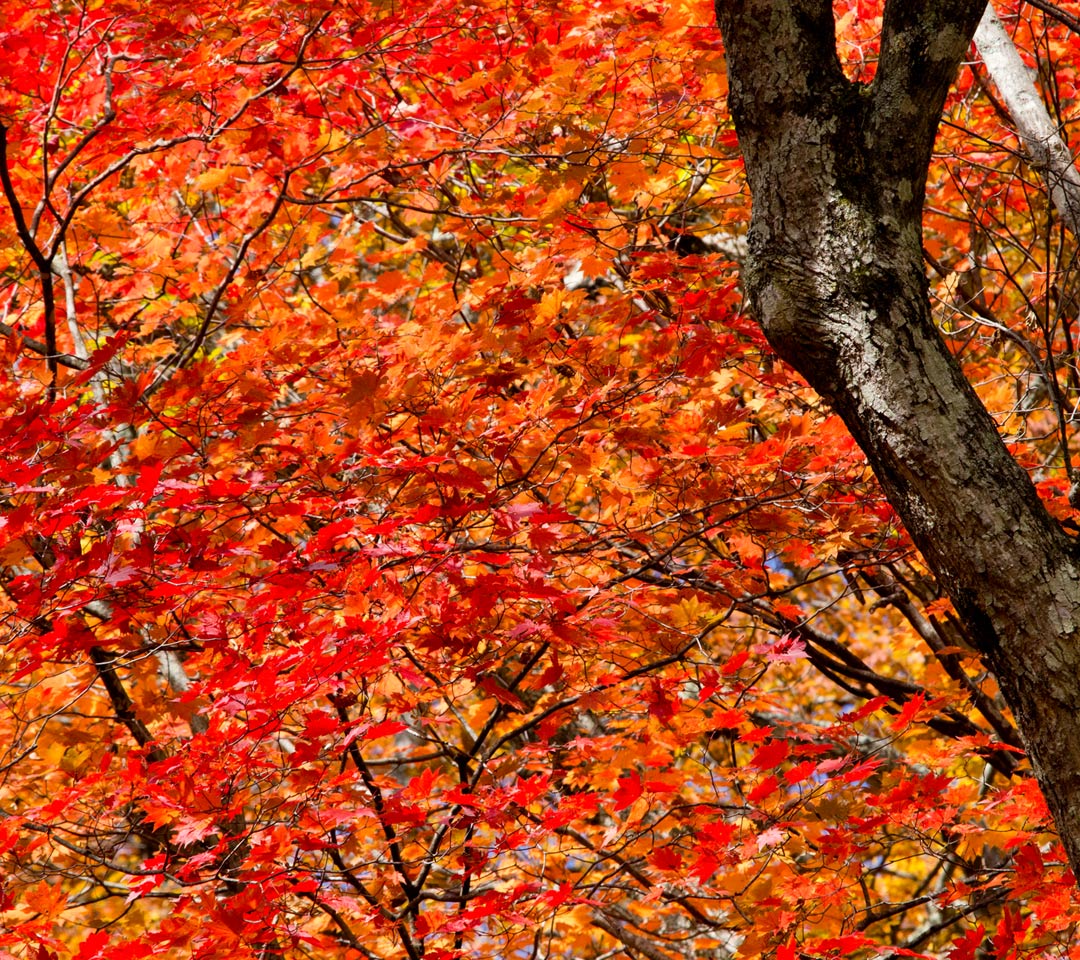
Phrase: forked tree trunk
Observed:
(835, 276)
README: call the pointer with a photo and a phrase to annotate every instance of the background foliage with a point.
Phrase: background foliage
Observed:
(410, 548)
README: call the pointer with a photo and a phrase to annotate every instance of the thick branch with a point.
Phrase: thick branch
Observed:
(922, 44)
(43, 264)
(105, 663)
(64, 359)
(782, 55)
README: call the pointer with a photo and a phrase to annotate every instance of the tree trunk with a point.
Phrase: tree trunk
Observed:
(835, 276)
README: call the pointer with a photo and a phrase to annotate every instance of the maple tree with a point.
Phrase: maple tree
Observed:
(411, 545)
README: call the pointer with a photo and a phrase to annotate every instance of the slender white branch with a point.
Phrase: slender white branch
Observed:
(174, 674)
(62, 269)
(1041, 136)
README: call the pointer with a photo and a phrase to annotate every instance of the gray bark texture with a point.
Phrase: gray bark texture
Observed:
(835, 276)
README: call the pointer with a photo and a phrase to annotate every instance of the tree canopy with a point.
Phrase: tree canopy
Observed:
(411, 544)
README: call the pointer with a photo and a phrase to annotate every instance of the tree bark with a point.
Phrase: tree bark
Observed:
(835, 277)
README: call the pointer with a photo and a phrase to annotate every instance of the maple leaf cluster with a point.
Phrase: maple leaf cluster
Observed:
(410, 547)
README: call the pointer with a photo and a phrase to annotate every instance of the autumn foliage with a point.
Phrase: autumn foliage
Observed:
(410, 547)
